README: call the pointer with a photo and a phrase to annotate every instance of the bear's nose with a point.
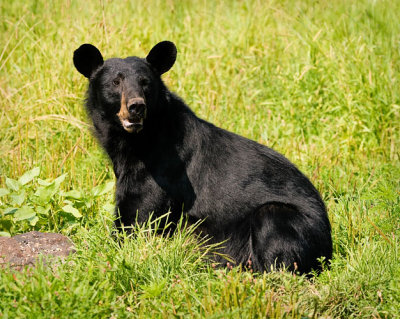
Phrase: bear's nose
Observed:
(136, 106)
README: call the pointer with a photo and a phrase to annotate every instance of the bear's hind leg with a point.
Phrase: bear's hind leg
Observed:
(281, 236)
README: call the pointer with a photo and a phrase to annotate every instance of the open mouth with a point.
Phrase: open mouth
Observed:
(131, 126)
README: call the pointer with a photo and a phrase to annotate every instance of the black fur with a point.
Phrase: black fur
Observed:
(246, 193)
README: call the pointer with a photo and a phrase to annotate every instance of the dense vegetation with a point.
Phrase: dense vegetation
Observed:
(316, 80)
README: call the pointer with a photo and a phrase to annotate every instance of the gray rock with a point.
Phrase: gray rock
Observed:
(24, 250)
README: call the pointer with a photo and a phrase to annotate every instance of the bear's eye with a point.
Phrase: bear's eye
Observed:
(143, 82)
(116, 82)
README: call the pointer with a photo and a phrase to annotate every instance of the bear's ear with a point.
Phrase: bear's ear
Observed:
(162, 56)
(87, 58)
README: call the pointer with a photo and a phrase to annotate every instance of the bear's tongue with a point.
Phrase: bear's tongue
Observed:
(132, 126)
(127, 124)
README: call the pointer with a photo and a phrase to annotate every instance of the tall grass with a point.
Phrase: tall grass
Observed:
(316, 80)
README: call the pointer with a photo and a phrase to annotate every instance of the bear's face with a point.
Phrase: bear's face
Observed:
(125, 90)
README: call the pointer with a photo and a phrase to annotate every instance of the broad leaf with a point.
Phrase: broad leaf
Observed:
(72, 210)
(10, 210)
(33, 220)
(59, 180)
(23, 213)
(18, 199)
(103, 189)
(109, 207)
(4, 191)
(44, 182)
(48, 189)
(12, 184)
(29, 176)
(73, 194)
(43, 210)
(44, 194)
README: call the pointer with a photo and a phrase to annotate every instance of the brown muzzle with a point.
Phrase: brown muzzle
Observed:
(132, 113)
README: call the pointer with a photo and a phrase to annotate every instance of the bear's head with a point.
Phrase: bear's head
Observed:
(125, 91)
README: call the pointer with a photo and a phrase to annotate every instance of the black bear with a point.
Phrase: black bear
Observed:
(165, 158)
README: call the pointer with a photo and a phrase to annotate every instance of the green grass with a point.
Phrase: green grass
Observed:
(317, 81)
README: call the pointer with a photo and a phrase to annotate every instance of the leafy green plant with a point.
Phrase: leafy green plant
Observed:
(31, 203)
